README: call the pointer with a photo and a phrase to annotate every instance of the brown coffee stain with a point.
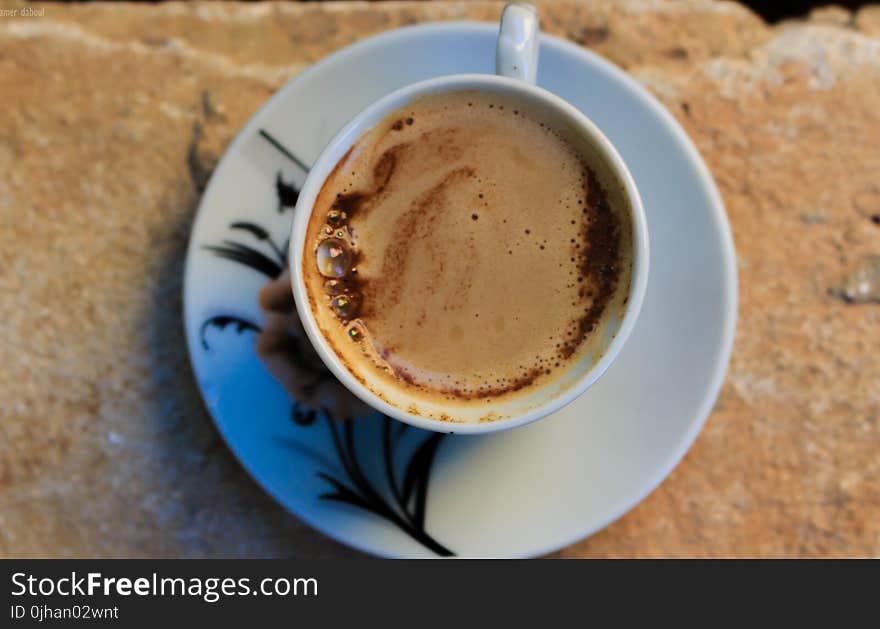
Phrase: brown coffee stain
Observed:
(598, 260)
(412, 230)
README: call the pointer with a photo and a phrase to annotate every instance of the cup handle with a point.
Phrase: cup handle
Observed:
(516, 53)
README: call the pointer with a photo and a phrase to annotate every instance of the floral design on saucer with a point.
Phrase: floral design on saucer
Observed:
(398, 494)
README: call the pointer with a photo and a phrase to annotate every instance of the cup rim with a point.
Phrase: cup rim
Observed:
(342, 142)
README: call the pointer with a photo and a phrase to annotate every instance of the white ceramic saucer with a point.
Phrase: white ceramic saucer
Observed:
(401, 492)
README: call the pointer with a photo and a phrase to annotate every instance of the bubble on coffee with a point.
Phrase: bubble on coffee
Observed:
(335, 218)
(345, 306)
(356, 331)
(334, 287)
(467, 256)
(333, 258)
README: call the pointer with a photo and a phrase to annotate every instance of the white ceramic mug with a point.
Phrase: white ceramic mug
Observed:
(516, 65)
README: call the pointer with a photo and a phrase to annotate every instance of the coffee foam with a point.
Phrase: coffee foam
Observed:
(463, 252)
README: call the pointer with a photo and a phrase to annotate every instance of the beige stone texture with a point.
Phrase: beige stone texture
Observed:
(113, 117)
(831, 15)
(867, 20)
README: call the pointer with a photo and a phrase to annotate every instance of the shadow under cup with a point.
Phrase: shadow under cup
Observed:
(604, 342)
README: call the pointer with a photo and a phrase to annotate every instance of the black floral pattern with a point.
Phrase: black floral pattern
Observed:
(399, 498)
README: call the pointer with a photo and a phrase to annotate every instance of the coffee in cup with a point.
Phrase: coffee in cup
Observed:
(466, 250)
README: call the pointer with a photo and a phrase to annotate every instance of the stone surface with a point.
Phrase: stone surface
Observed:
(114, 116)
(867, 20)
(832, 15)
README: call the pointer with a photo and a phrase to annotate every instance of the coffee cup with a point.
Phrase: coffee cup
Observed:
(481, 410)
